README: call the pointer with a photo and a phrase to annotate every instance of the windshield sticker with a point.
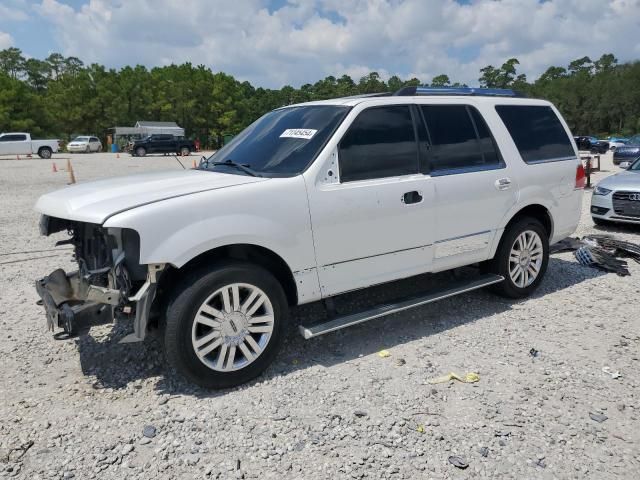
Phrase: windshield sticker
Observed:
(305, 133)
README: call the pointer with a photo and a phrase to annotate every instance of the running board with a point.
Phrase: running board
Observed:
(452, 289)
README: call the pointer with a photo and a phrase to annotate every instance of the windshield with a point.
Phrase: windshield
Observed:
(635, 166)
(282, 142)
(81, 139)
(635, 140)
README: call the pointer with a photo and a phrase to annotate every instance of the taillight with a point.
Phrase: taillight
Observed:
(581, 177)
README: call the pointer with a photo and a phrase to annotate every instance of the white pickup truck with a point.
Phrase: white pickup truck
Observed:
(18, 143)
(312, 201)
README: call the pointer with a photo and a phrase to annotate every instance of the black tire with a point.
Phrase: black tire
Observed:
(185, 151)
(88, 149)
(600, 222)
(184, 303)
(500, 263)
(141, 152)
(45, 152)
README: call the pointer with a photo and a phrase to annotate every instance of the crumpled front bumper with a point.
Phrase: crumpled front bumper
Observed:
(72, 304)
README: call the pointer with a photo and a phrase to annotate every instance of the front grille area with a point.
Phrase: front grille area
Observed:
(624, 205)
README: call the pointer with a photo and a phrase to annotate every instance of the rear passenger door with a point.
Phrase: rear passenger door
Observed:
(473, 185)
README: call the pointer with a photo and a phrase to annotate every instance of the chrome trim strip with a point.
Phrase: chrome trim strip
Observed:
(463, 236)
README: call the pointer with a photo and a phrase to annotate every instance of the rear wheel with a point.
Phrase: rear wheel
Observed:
(141, 151)
(225, 324)
(45, 152)
(185, 152)
(522, 258)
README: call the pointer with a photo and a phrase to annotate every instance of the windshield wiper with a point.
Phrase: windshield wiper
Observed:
(240, 166)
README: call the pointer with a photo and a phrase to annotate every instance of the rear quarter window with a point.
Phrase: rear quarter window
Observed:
(537, 132)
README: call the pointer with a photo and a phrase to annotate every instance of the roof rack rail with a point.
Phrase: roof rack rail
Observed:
(465, 91)
(365, 95)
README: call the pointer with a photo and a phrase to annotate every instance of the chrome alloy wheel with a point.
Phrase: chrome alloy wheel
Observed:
(232, 327)
(525, 258)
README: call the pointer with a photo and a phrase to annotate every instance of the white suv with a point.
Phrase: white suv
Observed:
(311, 201)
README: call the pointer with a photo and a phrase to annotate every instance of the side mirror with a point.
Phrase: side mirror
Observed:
(625, 165)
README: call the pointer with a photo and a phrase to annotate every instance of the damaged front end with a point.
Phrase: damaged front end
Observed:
(109, 282)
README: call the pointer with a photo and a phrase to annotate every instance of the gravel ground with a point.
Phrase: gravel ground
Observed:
(331, 407)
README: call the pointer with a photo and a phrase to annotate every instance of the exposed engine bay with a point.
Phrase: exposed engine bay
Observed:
(109, 281)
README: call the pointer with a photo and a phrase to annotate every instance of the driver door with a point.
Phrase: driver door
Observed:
(376, 223)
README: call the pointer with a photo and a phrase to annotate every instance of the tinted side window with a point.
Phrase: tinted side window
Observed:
(537, 132)
(14, 138)
(379, 143)
(460, 138)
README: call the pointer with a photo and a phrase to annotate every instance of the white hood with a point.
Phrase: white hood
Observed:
(94, 202)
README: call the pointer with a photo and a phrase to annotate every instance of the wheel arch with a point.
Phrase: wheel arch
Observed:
(256, 254)
(534, 210)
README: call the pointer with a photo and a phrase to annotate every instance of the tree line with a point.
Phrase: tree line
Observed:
(61, 96)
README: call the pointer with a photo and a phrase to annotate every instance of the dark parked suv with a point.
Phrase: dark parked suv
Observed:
(629, 152)
(592, 144)
(162, 144)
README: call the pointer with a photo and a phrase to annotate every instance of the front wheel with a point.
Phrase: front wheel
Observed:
(224, 324)
(185, 152)
(141, 152)
(522, 258)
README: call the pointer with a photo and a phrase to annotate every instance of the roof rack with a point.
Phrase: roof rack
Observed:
(365, 95)
(466, 91)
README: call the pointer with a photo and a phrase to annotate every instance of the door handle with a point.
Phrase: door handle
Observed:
(411, 197)
(503, 183)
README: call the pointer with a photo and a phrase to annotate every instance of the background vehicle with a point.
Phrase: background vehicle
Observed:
(615, 142)
(629, 152)
(84, 145)
(592, 144)
(617, 198)
(21, 144)
(312, 201)
(162, 144)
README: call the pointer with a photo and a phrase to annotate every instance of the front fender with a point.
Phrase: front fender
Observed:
(273, 215)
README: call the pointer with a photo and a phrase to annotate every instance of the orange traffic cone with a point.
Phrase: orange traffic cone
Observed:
(194, 163)
(72, 177)
(117, 155)
(54, 169)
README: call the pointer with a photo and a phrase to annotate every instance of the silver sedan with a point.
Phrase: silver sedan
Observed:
(617, 198)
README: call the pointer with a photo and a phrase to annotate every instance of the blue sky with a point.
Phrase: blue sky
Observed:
(276, 42)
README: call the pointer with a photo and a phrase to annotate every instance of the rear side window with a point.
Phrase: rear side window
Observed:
(460, 139)
(379, 143)
(537, 132)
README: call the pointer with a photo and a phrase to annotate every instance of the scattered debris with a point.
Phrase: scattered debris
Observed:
(601, 251)
(598, 417)
(360, 413)
(459, 462)
(533, 352)
(501, 433)
(541, 463)
(470, 377)
(149, 431)
(614, 375)
(400, 362)
(420, 429)
(384, 353)
(484, 451)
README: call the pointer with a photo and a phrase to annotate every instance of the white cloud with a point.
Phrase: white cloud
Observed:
(308, 39)
(5, 40)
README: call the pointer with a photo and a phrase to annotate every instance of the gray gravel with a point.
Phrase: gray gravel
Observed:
(330, 407)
